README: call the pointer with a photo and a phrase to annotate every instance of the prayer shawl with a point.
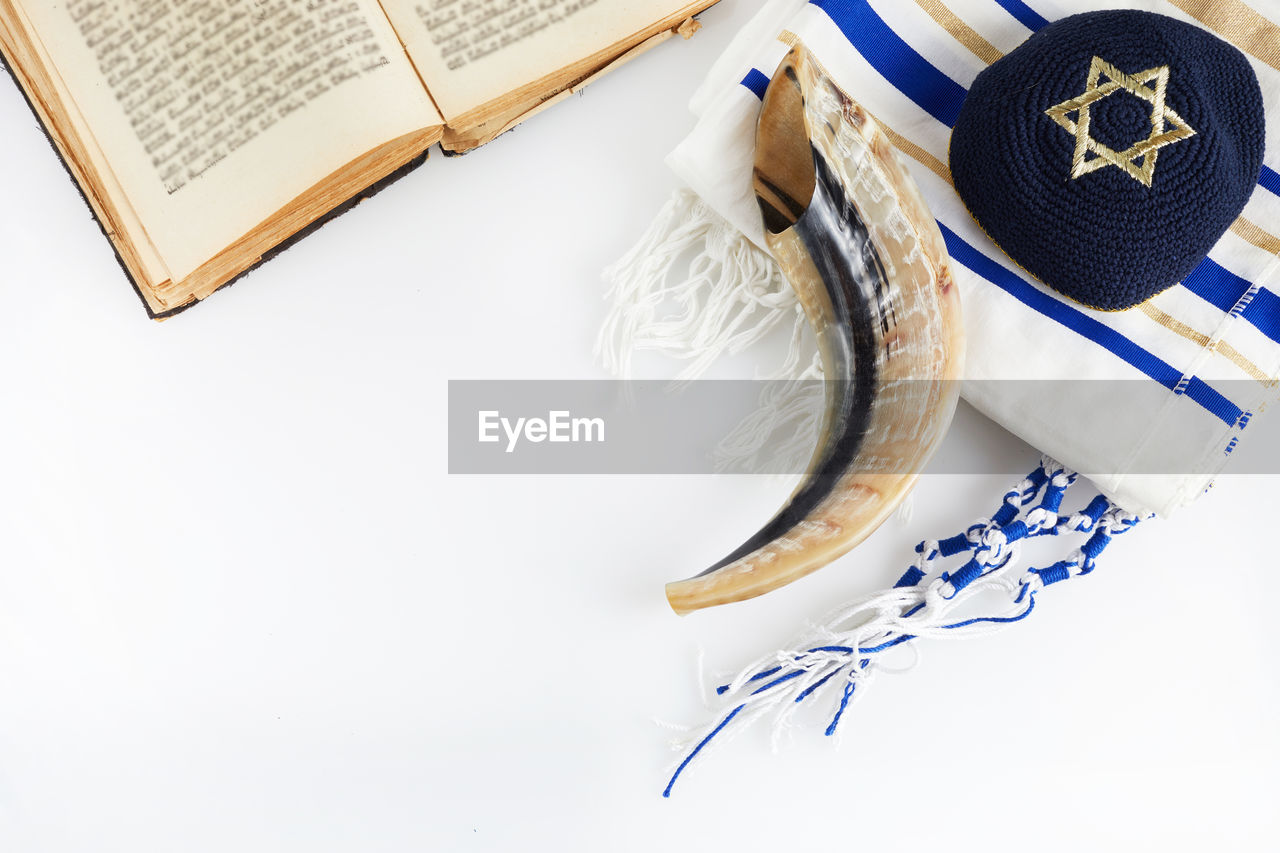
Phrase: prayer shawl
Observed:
(1196, 361)
(1205, 354)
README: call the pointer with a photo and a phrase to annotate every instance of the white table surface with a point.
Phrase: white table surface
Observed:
(243, 606)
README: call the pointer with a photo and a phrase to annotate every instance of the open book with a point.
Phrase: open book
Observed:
(206, 133)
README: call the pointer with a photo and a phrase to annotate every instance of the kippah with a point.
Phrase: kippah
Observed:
(1110, 151)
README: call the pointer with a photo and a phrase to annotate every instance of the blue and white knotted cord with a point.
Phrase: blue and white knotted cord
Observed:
(846, 649)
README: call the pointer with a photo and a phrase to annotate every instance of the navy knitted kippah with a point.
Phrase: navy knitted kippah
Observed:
(1110, 151)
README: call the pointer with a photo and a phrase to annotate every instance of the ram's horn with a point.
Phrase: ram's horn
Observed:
(852, 235)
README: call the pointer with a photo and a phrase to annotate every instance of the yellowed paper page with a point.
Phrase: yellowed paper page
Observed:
(214, 114)
(152, 266)
(470, 52)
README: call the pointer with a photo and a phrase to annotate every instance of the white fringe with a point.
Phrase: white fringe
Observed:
(777, 438)
(906, 510)
(694, 288)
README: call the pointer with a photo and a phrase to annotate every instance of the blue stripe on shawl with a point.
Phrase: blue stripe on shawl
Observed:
(1088, 327)
(909, 72)
(1224, 289)
(757, 82)
(1264, 313)
(1028, 17)
(1216, 285)
(1270, 180)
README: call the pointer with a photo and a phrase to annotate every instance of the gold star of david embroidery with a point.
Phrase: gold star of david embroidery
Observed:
(1139, 161)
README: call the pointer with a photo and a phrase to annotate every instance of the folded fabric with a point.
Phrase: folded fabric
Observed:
(1173, 382)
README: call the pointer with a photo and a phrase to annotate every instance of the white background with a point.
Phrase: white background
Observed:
(243, 606)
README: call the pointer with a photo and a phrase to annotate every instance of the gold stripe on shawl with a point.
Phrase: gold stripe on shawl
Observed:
(1222, 348)
(1239, 24)
(960, 31)
(1254, 233)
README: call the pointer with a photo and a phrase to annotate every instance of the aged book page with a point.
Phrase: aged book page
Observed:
(34, 70)
(210, 116)
(472, 53)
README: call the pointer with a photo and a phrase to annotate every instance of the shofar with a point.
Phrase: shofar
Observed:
(852, 235)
